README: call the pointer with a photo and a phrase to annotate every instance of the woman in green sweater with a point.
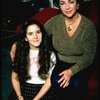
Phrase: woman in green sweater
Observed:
(74, 38)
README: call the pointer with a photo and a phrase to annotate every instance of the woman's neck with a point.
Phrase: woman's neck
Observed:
(72, 20)
(35, 49)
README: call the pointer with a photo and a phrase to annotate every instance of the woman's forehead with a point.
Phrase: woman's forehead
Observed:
(68, 0)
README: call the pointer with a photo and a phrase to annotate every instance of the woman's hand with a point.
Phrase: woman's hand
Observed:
(65, 78)
(20, 97)
(44, 89)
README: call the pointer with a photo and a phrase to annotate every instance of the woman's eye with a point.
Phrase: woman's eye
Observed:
(30, 33)
(39, 32)
(71, 2)
(61, 3)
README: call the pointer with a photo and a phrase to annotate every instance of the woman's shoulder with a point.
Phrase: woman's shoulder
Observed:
(54, 19)
(88, 25)
(87, 21)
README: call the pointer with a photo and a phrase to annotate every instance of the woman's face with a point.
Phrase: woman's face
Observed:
(68, 7)
(34, 36)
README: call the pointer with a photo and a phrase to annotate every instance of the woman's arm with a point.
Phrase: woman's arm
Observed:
(16, 85)
(12, 52)
(44, 89)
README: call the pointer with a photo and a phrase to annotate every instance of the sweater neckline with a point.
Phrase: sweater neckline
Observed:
(77, 31)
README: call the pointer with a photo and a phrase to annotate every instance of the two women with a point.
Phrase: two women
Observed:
(74, 39)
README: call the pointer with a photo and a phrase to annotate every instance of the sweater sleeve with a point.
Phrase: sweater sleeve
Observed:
(90, 43)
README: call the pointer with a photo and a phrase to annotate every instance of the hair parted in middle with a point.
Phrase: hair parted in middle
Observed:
(21, 62)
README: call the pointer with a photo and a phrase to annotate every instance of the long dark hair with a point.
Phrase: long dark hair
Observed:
(21, 62)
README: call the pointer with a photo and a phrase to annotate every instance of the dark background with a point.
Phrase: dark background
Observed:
(14, 12)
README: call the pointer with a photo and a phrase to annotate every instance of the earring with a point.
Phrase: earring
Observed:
(78, 7)
(25, 39)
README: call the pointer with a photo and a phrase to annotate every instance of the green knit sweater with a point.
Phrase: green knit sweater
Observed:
(80, 48)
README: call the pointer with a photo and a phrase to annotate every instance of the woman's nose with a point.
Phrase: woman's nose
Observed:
(67, 5)
(35, 36)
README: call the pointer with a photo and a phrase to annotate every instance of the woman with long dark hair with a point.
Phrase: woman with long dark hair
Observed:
(33, 64)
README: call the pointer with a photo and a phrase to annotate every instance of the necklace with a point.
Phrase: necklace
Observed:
(69, 28)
